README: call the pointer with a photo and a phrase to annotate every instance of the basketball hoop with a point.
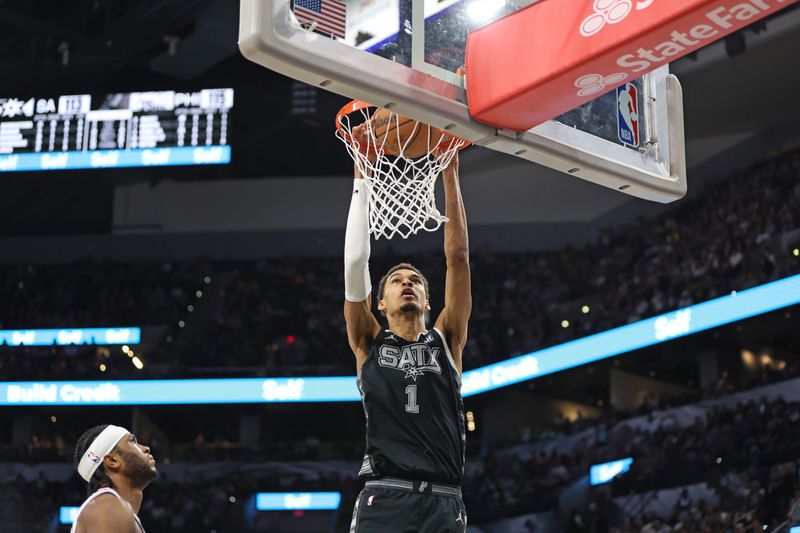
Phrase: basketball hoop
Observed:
(400, 159)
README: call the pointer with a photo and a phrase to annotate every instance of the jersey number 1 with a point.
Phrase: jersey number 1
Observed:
(411, 405)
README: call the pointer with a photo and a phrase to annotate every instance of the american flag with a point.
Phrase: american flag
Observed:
(330, 15)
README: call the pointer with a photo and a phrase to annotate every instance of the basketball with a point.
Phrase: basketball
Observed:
(405, 136)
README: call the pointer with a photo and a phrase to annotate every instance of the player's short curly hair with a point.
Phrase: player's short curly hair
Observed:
(402, 266)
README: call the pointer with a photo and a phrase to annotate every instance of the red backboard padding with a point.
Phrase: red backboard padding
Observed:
(556, 55)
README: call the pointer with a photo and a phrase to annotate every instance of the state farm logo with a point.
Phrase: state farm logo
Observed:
(609, 12)
(595, 83)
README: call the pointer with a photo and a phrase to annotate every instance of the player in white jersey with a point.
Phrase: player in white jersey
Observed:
(117, 469)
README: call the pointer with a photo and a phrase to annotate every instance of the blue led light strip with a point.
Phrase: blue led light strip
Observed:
(138, 157)
(67, 515)
(67, 336)
(606, 472)
(294, 501)
(663, 328)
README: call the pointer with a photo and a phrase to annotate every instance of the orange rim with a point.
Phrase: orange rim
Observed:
(357, 105)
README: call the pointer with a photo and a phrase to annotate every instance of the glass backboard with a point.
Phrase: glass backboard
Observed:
(406, 55)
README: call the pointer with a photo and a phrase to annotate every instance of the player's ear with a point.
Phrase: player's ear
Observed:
(112, 462)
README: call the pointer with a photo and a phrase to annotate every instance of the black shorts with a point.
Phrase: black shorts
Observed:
(403, 506)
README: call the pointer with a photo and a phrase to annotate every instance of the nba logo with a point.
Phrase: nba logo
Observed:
(628, 114)
(94, 457)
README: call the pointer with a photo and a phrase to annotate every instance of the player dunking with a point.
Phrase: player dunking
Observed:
(410, 379)
(117, 468)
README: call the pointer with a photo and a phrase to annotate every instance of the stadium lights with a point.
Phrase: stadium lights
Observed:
(565, 323)
(749, 359)
(484, 10)
(585, 309)
(125, 349)
(137, 362)
(796, 252)
(471, 421)
(102, 367)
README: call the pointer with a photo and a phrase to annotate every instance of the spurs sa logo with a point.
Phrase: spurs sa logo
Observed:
(414, 359)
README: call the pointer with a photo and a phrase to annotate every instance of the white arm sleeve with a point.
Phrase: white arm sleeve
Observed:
(357, 285)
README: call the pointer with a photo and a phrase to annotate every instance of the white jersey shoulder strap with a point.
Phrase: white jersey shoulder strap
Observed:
(100, 492)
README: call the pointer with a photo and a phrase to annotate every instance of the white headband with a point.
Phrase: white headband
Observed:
(99, 448)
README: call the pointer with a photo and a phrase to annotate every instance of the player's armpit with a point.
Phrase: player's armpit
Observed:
(362, 327)
(106, 514)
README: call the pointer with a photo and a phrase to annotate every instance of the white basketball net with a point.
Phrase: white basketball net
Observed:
(400, 188)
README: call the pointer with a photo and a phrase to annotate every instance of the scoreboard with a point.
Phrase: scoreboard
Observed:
(116, 130)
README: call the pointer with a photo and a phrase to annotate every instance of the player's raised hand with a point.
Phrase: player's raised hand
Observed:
(360, 134)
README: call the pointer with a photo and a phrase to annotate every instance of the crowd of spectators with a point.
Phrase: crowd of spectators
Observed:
(747, 452)
(283, 315)
(199, 502)
(761, 499)
(652, 402)
(752, 436)
(213, 444)
(96, 293)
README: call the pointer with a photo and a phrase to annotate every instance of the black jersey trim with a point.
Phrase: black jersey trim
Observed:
(449, 355)
(391, 335)
(420, 487)
(354, 521)
(366, 466)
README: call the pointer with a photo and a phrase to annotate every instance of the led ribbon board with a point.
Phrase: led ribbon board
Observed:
(117, 130)
(180, 391)
(296, 501)
(606, 472)
(65, 337)
(663, 328)
(68, 515)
